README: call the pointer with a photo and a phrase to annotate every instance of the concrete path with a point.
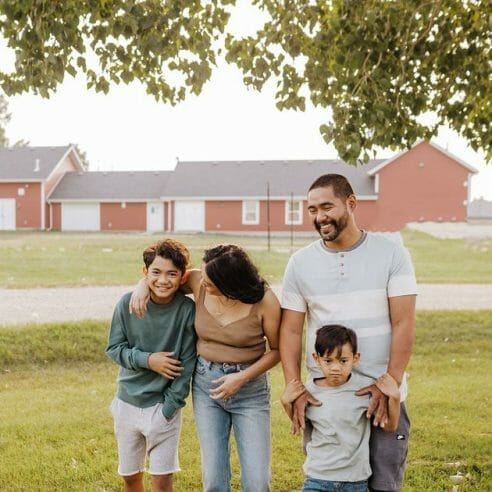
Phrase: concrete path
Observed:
(21, 306)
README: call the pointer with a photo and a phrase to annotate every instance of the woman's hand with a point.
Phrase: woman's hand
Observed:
(139, 299)
(229, 385)
(165, 365)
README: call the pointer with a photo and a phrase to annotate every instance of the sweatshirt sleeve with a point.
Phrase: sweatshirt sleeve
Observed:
(175, 394)
(118, 347)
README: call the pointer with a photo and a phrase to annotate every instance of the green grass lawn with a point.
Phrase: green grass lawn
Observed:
(56, 431)
(51, 259)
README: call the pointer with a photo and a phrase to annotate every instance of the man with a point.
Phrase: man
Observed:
(366, 282)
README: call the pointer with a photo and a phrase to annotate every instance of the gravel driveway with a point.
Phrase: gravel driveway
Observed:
(20, 306)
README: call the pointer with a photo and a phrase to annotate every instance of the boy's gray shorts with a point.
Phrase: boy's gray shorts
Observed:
(388, 454)
(145, 431)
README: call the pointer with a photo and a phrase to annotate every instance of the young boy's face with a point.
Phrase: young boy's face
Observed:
(164, 279)
(337, 366)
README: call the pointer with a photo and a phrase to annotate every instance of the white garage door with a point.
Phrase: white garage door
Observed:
(7, 214)
(189, 216)
(80, 217)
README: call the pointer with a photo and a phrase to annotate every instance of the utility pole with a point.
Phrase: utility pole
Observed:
(268, 214)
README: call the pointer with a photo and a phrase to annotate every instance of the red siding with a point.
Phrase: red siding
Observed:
(66, 165)
(422, 184)
(28, 207)
(131, 218)
(56, 216)
(227, 216)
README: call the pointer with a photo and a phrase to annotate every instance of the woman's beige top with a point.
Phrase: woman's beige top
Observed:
(240, 341)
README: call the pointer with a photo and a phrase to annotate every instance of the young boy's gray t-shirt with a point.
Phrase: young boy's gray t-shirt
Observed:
(339, 446)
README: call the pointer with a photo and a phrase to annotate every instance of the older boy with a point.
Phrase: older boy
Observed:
(151, 390)
(338, 452)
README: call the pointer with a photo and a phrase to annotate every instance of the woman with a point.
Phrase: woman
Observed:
(235, 315)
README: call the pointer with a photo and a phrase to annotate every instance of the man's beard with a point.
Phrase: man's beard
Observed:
(338, 227)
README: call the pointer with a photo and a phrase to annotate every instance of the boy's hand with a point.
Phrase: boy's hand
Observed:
(165, 365)
(378, 404)
(388, 386)
(299, 410)
(139, 299)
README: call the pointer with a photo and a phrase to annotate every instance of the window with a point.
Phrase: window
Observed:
(293, 212)
(251, 212)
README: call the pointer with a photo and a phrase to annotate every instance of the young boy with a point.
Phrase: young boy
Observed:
(151, 389)
(338, 452)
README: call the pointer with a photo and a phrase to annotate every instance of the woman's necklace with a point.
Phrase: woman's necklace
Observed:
(223, 307)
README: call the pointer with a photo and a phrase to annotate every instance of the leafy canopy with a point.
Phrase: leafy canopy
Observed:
(378, 66)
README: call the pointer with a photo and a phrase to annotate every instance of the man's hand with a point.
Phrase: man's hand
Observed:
(139, 299)
(165, 365)
(378, 405)
(293, 390)
(299, 413)
(388, 386)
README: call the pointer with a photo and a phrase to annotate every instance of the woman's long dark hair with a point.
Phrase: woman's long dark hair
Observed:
(231, 270)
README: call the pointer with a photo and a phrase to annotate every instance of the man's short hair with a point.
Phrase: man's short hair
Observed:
(340, 184)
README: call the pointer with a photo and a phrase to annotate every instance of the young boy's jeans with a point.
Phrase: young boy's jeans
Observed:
(316, 485)
(248, 413)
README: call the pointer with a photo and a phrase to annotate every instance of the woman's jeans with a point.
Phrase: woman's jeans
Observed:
(248, 413)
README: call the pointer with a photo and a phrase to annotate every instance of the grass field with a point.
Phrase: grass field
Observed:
(56, 431)
(51, 259)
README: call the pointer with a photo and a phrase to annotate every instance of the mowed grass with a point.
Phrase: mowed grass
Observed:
(56, 431)
(53, 259)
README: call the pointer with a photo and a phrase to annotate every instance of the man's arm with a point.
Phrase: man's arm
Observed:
(291, 331)
(389, 387)
(402, 316)
(292, 392)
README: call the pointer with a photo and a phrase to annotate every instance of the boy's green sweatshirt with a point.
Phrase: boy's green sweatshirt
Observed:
(164, 328)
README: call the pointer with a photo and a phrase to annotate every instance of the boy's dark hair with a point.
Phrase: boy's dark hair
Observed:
(170, 249)
(332, 337)
(340, 184)
(234, 274)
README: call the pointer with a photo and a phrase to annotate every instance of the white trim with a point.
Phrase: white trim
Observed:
(169, 217)
(55, 185)
(378, 168)
(376, 184)
(17, 180)
(279, 198)
(50, 207)
(78, 161)
(287, 209)
(256, 221)
(103, 200)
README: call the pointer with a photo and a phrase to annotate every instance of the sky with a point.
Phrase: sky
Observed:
(128, 130)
